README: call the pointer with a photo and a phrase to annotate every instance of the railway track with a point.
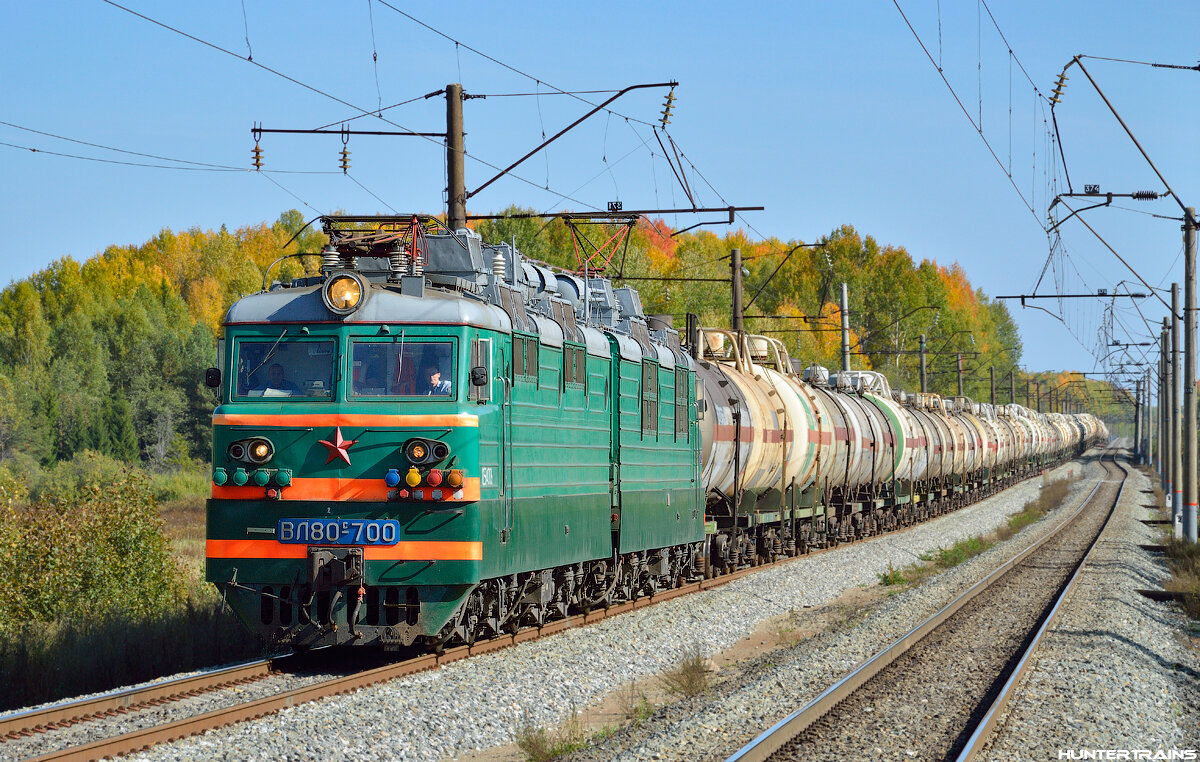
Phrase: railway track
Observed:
(71, 717)
(937, 692)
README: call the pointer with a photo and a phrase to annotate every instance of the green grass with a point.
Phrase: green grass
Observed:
(946, 558)
(892, 576)
(1051, 496)
(935, 561)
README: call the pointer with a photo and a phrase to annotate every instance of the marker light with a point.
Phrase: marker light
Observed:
(454, 479)
(413, 477)
(343, 293)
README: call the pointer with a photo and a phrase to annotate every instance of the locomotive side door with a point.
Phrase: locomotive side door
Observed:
(505, 377)
(615, 454)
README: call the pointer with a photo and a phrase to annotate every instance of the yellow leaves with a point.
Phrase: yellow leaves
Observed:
(206, 303)
(959, 294)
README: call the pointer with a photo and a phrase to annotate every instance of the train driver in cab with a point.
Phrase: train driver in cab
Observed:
(431, 380)
(276, 380)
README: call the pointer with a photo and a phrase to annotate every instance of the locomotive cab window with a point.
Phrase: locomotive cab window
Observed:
(402, 368)
(285, 368)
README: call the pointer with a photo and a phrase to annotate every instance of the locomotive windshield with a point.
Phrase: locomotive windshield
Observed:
(284, 368)
(402, 369)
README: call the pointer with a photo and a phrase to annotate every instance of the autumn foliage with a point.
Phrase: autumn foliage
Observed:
(108, 354)
(792, 292)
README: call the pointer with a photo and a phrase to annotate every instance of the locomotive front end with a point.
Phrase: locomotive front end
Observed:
(346, 472)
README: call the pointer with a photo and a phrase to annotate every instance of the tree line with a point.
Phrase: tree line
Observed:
(108, 354)
(792, 290)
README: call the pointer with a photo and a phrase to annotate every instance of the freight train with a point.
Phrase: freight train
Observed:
(437, 440)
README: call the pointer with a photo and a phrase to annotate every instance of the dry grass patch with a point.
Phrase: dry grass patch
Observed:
(183, 521)
(690, 677)
(1183, 559)
(543, 745)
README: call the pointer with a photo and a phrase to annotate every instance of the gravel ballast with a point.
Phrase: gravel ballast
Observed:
(933, 690)
(486, 700)
(1115, 671)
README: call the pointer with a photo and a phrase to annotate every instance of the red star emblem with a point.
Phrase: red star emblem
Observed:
(338, 447)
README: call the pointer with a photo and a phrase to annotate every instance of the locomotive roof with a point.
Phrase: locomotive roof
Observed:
(462, 281)
(380, 305)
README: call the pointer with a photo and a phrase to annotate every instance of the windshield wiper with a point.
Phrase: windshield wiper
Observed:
(269, 355)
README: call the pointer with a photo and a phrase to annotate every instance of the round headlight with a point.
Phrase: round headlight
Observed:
(259, 451)
(343, 293)
(417, 451)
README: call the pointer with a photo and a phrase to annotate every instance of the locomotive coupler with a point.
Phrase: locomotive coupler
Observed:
(333, 568)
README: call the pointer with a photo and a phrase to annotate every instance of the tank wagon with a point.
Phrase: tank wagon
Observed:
(437, 440)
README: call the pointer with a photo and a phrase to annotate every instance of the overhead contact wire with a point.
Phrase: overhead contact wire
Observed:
(362, 111)
(498, 62)
(967, 114)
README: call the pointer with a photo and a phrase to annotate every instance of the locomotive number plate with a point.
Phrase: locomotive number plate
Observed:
(338, 531)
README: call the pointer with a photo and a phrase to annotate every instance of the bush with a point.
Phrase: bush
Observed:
(98, 551)
(892, 576)
(186, 481)
(67, 480)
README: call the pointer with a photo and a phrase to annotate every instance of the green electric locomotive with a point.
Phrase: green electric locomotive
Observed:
(436, 440)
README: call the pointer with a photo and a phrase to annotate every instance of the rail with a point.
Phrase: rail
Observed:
(70, 712)
(774, 738)
(990, 721)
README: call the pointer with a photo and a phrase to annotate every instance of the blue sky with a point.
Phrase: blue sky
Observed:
(824, 113)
